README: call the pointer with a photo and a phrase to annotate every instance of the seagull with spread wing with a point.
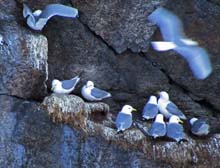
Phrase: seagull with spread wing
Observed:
(174, 39)
(38, 19)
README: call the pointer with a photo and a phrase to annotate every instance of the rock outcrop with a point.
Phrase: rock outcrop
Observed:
(108, 44)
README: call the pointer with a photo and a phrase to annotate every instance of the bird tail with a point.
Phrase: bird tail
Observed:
(163, 45)
(141, 128)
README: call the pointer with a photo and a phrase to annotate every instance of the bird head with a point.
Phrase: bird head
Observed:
(128, 109)
(192, 120)
(89, 84)
(175, 119)
(55, 83)
(164, 95)
(159, 118)
(153, 100)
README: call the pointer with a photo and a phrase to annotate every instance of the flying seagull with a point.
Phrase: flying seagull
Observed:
(199, 127)
(150, 109)
(124, 118)
(174, 129)
(158, 128)
(174, 39)
(65, 86)
(38, 19)
(91, 93)
(168, 108)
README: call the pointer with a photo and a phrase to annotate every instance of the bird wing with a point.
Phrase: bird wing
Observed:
(170, 25)
(174, 110)
(198, 60)
(69, 84)
(163, 45)
(158, 129)
(175, 131)
(58, 9)
(98, 93)
(150, 110)
(123, 121)
(27, 11)
(200, 126)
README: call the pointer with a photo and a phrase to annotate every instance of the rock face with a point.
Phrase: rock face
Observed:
(23, 62)
(121, 25)
(107, 44)
(32, 140)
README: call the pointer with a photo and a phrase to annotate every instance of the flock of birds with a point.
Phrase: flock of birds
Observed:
(166, 109)
(157, 110)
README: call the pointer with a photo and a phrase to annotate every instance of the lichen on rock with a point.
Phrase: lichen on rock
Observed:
(72, 109)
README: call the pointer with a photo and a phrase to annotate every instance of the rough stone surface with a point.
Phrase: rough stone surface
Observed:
(89, 47)
(31, 139)
(23, 62)
(200, 23)
(72, 109)
(128, 76)
(122, 25)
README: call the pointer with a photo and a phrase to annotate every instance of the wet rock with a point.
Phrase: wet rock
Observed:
(199, 19)
(23, 62)
(122, 25)
(72, 109)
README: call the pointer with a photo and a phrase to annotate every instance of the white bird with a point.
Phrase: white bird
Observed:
(174, 38)
(65, 86)
(168, 108)
(124, 118)
(199, 127)
(174, 129)
(150, 109)
(91, 93)
(158, 128)
(38, 19)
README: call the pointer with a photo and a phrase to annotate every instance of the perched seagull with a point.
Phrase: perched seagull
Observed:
(174, 129)
(124, 118)
(158, 128)
(199, 127)
(150, 109)
(168, 108)
(91, 93)
(174, 39)
(64, 87)
(38, 19)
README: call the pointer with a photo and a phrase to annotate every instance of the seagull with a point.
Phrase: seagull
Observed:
(38, 19)
(174, 39)
(91, 93)
(150, 109)
(174, 129)
(65, 86)
(124, 118)
(158, 128)
(199, 127)
(168, 108)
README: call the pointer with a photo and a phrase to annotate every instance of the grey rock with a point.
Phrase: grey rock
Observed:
(31, 139)
(128, 77)
(123, 25)
(23, 62)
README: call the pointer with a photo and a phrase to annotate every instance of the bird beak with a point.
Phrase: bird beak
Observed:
(180, 121)
(134, 109)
